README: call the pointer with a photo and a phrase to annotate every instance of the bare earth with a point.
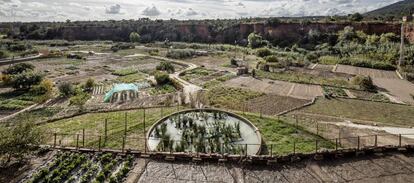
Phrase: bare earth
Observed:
(374, 73)
(295, 90)
(399, 88)
(392, 167)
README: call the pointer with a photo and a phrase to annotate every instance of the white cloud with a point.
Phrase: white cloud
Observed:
(151, 11)
(60, 10)
(114, 9)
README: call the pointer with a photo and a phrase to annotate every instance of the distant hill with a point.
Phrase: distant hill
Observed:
(398, 10)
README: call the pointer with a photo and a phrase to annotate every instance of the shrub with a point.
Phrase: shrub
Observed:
(18, 68)
(311, 57)
(364, 82)
(256, 41)
(66, 89)
(162, 78)
(90, 83)
(166, 66)
(272, 59)
(45, 87)
(3, 54)
(25, 80)
(180, 53)
(263, 52)
(329, 60)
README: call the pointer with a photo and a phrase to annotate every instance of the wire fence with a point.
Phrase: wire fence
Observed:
(131, 143)
(334, 137)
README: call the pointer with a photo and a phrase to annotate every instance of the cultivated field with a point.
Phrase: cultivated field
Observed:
(360, 111)
(374, 73)
(401, 89)
(295, 90)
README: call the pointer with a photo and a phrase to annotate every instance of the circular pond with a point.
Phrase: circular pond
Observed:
(204, 131)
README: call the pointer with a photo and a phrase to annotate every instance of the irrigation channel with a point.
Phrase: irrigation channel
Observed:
(205, 131)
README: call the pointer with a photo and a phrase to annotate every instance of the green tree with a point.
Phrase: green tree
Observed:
(346, 35)
(18, 68)
(255, 40)
(25, 80)
(18, 141)
(357, 17)
(134, 37)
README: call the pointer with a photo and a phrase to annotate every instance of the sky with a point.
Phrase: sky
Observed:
(61, 10)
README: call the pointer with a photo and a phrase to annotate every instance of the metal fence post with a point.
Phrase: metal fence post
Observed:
(336, 144)
(126, 124)
(123, 143)
(83, 137)
(358, 142)
(99, 144)
(294, 147)
(161, 112)
(271, 150)
(245, 150)
(77, 141)
(106, 129)
(399, 140)
(54, 140)
(317, 128)
(316, 146)
(376, 141)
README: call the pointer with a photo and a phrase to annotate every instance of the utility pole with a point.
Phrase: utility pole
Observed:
(400, 62)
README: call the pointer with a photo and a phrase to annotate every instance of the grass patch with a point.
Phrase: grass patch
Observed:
(131, 78)
(304, 78)
(228, 97)
(387, 113)
(196, 73)
(218, 81)
(16, 100)
(334, 92)
(378, 97)
(93, 123)
(35, 115)
(284, 135)
(164, 89)
(125, 72)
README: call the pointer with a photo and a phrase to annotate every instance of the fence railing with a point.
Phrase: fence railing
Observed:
(131, 143)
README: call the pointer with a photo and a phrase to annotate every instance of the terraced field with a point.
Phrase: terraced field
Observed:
(295, 90)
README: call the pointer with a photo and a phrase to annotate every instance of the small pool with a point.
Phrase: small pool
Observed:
(204, 131)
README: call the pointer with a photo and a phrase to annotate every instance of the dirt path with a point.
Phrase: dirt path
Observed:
(189, 89)
(17, 60)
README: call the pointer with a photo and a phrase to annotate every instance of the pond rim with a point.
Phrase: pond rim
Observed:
(241, 118)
